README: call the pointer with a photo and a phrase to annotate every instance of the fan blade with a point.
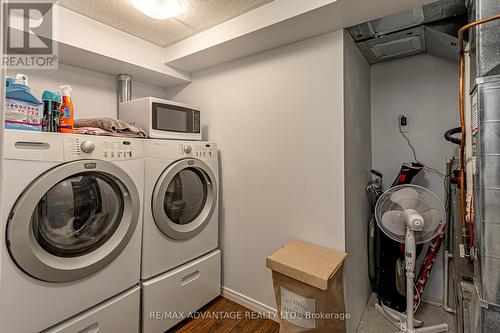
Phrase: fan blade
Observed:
(394, 222)
(401, 197)
(408, 198)
(431, 220)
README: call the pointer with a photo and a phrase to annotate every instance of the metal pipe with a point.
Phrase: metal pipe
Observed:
(461, 32)
(124, 88)
(449, 173)
(447, 257)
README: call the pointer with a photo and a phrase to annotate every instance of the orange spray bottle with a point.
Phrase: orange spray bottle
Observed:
(67, 114)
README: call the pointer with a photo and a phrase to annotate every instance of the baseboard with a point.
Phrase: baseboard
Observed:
(432, 302)
(249, 303)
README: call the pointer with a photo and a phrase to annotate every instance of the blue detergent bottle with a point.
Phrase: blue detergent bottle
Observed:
(23, 111)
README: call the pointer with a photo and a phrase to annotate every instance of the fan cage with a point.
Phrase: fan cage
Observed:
(385, 204)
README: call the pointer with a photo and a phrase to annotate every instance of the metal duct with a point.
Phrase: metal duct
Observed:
(441, 44)
(486, 139)
(124, 88)
(485, 45)
(431, 28)
(396, 45)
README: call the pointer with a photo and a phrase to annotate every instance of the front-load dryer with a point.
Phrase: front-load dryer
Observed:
(181, 203)
(180, 260)
(71, 225)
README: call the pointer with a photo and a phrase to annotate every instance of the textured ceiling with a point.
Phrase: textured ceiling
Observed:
(197, 15)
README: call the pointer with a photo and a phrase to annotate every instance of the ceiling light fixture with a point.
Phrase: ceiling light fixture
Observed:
(158, 9)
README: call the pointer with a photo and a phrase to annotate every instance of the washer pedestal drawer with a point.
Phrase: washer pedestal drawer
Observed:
(118, 314)
(172, 296)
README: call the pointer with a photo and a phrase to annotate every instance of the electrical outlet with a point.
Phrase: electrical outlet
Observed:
(403, 123)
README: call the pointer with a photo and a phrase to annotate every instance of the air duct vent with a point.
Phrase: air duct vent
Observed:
(398, 48)
(396, 45)
(431, 28)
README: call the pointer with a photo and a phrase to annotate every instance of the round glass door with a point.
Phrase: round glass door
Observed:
(78, 214)
(184, 199)
(81, 215)
(186, 196)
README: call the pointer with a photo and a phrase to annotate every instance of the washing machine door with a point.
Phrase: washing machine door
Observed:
(184, 198)
(73, 220)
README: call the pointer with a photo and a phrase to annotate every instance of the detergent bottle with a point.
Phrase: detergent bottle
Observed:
(67, 114)
(22, 110)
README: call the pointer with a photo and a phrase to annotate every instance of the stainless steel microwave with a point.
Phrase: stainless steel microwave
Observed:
(162, 119)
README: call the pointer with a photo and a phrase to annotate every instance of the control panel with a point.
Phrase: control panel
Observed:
(111, 149)
(196, 121)
(199, 150)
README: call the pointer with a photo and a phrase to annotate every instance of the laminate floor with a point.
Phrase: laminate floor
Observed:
(225, 316)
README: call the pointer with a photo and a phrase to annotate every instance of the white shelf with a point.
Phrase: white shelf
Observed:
(86, 59)
(92, 45)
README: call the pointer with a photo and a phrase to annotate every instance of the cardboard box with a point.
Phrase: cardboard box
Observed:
(308, 288)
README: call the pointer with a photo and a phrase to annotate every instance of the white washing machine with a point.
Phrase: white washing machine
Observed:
(180, 260)
(71, 226)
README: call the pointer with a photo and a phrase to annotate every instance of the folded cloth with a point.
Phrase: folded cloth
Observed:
(100, 131)
(111, 125)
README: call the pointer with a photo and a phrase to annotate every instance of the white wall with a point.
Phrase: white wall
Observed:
(94, 94)
(425, 89)
(358, 162)
(2, 114)
(278, 119)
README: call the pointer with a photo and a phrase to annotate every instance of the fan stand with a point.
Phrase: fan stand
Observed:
(414, 222)
(395, 317)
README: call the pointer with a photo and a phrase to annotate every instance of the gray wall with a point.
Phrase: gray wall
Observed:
(358, 162)
(277, 117)
(93, 95)
(425, 89)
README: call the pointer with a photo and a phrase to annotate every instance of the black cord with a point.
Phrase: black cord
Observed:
(443, 176)
(408, 140)
(436, 172)
(415, 153)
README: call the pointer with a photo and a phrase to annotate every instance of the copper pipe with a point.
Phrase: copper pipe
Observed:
(462, 113)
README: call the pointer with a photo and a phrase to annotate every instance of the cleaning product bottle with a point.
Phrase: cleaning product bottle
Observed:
(22, 110)
(22, 80)
(51, 106)
(66, 118)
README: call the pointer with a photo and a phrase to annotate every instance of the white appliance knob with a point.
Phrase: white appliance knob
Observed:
(188, 149)
(87, 146)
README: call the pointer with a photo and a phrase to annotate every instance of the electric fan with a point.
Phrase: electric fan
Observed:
(410, 214)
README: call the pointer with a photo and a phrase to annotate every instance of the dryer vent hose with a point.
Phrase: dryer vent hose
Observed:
(449, 135)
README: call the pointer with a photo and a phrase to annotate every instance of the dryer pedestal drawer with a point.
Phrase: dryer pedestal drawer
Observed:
(170, 297)
(118, 314)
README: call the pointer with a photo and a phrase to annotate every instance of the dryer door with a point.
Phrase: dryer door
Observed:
(73, 220)
(184, 198)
